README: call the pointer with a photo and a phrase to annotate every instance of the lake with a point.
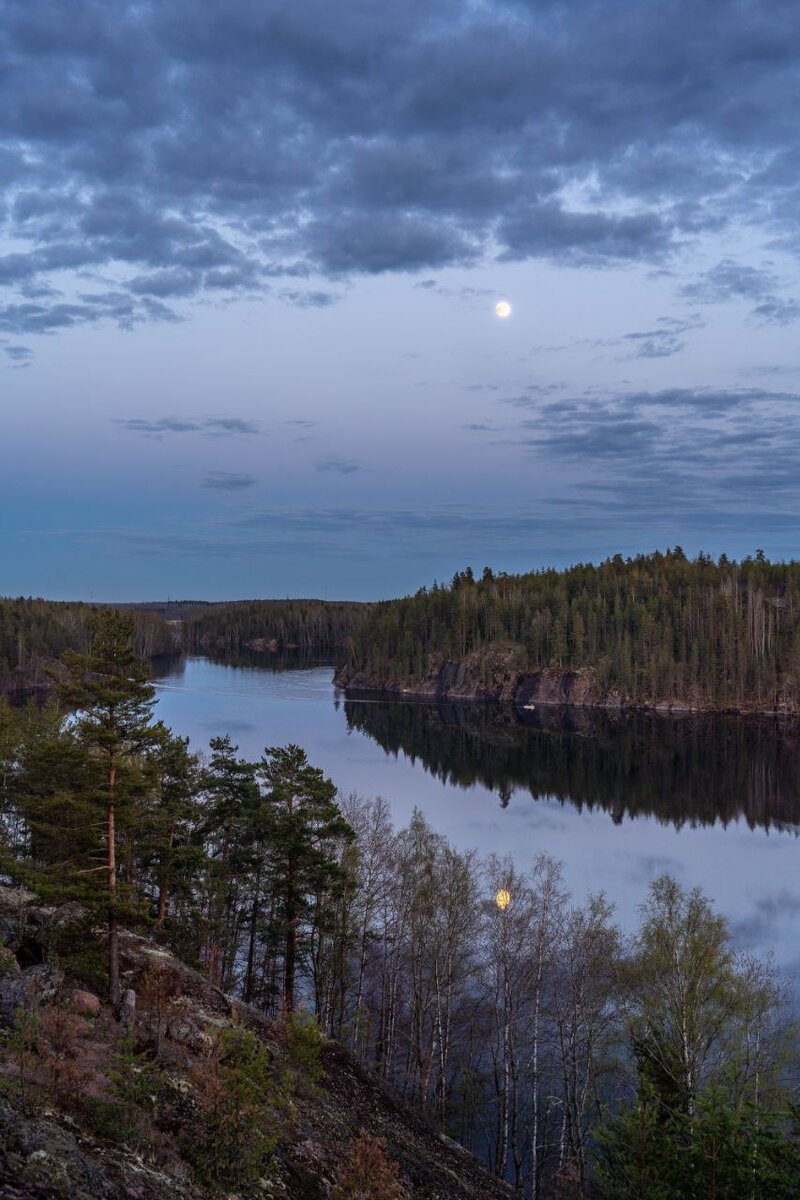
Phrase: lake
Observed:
(618, 800)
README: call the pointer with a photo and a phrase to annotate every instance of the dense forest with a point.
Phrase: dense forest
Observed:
(575, 1061)
(315, 627)
(655, 629)
(35, 633)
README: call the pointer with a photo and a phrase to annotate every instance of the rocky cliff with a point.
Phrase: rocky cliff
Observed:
(53, 1148)
(497, 673)
(500, 673)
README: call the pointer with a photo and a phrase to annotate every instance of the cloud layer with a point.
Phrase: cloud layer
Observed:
(154, 152)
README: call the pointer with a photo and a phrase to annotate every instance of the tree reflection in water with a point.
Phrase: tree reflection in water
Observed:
(693, 769)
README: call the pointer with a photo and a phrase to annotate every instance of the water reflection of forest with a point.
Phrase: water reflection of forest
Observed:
(694, 769)
(264, 660)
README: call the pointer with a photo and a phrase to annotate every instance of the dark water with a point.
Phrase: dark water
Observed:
(713, 800)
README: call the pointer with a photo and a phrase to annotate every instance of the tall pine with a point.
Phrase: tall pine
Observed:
(307, 830)
(109, 688)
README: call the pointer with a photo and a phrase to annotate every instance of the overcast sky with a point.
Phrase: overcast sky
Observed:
(249, 258)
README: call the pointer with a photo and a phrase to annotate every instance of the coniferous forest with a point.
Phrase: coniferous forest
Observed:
(573, 1060)
(314, 627)
(654, 629)
(35, 633)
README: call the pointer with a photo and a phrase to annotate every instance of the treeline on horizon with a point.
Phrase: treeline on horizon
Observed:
(657, 627)
(34, 634)
(576, 1061)
(313, 627)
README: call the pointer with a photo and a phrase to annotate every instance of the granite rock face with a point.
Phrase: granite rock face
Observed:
(52, 1154)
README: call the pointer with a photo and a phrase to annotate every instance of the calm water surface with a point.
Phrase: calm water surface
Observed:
(715, 801)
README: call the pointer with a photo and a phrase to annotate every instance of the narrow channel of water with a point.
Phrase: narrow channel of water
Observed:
(713, 800)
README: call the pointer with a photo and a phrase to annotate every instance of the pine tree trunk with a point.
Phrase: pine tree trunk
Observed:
(163, 890)
(291, 942)
(249, 983)
(113, 932)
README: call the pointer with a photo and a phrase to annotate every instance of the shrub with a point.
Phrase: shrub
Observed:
(134, 1084)
(304, 1040)
(368, 1174)
(21, 1043)
(8, 963)
(238, 1108)
(59, 1044)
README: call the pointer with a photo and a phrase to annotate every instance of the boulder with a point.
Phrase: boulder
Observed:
(85, 1004)
(127, 1009)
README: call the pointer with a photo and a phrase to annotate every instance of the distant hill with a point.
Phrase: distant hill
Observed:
(657, 630)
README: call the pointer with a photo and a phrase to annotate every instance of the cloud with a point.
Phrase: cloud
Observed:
(186, 150)
(533, 395)
(174, 282)
(311, 299)
(228, 426)
(730, 280)
(19, 356)
(339, 466)
(475, 297)
(332, 531)
(548, 230)
(159, 426)
(689, 458)
(227, 481)
(52, 316)
(778, 312)
(211, 426)
(664, 340)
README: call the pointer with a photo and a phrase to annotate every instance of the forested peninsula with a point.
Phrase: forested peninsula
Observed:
(655, 631)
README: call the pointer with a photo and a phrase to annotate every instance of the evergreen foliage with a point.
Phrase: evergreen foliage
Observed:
(114, 727)
(655, 627)
(35, 633)
(235, 1133)
(307, 834)
(569, 1057)
(313, 627)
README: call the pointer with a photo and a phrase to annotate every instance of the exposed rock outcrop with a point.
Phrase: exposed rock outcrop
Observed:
(500, 673)
(51, 1155)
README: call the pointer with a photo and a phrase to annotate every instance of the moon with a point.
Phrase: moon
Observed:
(503, 309)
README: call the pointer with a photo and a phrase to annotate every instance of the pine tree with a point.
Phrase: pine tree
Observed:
(307, 826)
(109, 688)
(231, 796)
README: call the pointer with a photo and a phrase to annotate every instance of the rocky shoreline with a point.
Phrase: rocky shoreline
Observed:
(501, 676)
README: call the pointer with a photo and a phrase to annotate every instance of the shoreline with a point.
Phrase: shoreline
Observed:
(612, 704)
